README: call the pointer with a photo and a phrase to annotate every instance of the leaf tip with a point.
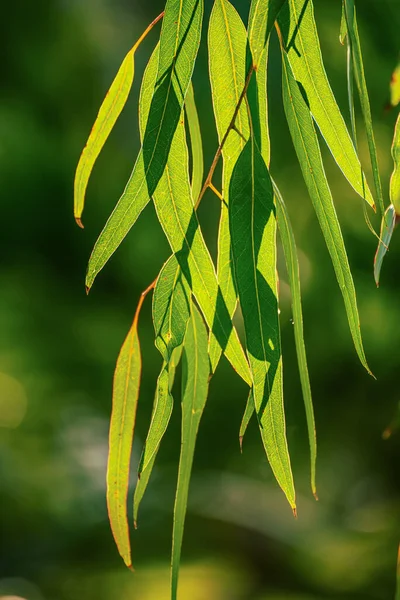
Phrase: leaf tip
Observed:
(134, 523)
(87, 289)
(315, 494)
(79, 222)
(241, 443)
(294, 509)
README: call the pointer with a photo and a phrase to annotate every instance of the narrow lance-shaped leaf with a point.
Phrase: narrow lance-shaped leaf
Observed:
(394, 189)
(395, 86)
(359, 75)
(175, 211)
(179, 43)
(253, 230)
(300, 39)
(308, 152)
(122, 424)
(247, 415)
(170, 316)
(195, 377)
(262, 16)
(196, 143)
(387, 227)
(144, 478)
(109, 112)
(391, 215)
(292, 265)
(227, 40)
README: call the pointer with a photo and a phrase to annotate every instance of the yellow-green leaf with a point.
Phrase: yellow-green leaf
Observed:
(301, 43)
(387, 227)
(122, 424)
(179, 43)
(394, 190)
(253, 231)
(196, 143)
(195, 378)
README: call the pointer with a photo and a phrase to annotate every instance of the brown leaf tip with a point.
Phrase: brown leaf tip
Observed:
(79, 222)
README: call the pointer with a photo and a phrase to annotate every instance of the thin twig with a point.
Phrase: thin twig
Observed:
(220, 147)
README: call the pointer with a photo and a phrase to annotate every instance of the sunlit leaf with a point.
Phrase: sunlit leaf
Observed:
(109, 112)
(195, 377)
(170, 316)
(387, 228)
(145, 473)
(343, 26)
(253, 231)
(122, 424)
(358, 69)
(300, 40)
(175, 211)
(227, 41)
(292, 265)
(248, 413)
(179, 43)
(263, 14)
(195, 143)
(309, 155)
(394, 190)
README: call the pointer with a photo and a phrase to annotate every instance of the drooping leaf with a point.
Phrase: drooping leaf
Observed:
(387, 227)
(109, 112)
(170, 316)
(145, 474)
(253, 231)
(195, 143)
(174, 206)
(248, 413)
(394, 190)
(308, 152)
(292, 265)
(358, 69)
(301, 42)
(227, 40)
(179, 43)
(262, 16)
(195, 377)
(122, 424)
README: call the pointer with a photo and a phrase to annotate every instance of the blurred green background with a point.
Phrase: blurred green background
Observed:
(58, 347)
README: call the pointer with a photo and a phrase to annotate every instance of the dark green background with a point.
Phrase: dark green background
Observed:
(58, 347)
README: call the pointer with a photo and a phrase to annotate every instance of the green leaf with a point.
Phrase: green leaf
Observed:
(170, 317)
(109, 112)
(394, 190)
(195, 377)
(308, 152)
(300, 40)
(122, 424)
(262, 16)
(227, 41)
(253, 231)
(248, 413)
(387, 227)
(175, 211)
(359, 75)
(145, 474)
(179, 43)
(292, 265)
(343, 26)
(195, 143)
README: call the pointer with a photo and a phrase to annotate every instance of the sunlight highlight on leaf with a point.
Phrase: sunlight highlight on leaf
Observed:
(262, 16)
(195, 378)
(109, 112)
(196, 143)
(248, 413)
(179, 43)
(300, 40)
(308, 152)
